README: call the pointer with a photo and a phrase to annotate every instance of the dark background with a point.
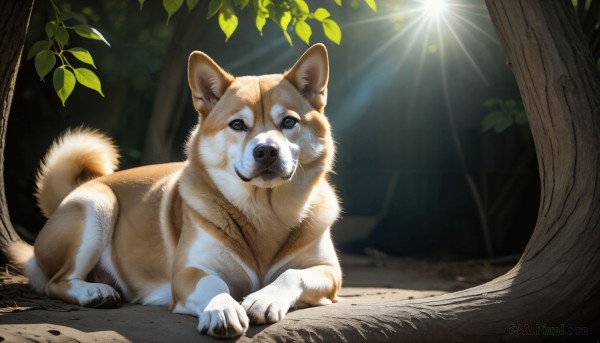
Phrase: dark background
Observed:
(398, 169)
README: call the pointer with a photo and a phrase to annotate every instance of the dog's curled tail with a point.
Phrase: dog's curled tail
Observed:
(76, 157)
(21, 256)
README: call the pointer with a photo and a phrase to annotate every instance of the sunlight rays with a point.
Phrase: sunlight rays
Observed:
(434, 8)
(430, 22)
(419, 38)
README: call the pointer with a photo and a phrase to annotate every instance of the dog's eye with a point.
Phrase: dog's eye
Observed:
(238, 125)
(288, 122)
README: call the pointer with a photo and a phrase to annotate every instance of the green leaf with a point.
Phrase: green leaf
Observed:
(303, 30)
(141, 4)
(37, 47)
(213, 8)
(228, 23)
(372, 5)
(287, 36)
(498, 120)
(88, 79)
(285, 19)
(302, 7)
(191, 4)
(89, 33)
(83, 55)
(62, 36)
(50, 28)
(260, 21)
(489, 121)
(171, 6)
(64, 83)
(44, 62)
(321, 14)
(332, 31)
(504, 124)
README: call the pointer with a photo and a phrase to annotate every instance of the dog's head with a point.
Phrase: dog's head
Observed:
(262, 130)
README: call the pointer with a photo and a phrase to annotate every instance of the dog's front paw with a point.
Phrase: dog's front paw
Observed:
(223, 317)
(269, 305)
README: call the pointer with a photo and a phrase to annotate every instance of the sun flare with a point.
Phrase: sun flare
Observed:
(434, 8)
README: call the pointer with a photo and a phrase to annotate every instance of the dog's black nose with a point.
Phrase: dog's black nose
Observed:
(266, 153)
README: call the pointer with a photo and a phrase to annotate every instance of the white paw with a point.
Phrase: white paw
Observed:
(223, 317)
(96, 295)
(268, 305)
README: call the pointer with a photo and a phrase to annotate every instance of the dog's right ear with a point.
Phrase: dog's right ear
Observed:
(207, 81)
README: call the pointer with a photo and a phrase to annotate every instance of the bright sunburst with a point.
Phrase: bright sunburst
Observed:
(424, 30)
(436, 25)
(434, 8)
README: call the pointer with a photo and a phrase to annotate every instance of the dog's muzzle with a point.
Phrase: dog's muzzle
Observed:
(268, 164)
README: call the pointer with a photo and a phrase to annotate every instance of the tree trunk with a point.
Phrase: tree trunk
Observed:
(557, 280)
(14, 19)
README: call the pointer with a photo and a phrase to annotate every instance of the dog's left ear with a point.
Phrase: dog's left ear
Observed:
(310, 76)
(208, 81)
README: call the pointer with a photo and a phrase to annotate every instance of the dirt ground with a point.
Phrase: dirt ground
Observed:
(29, 317)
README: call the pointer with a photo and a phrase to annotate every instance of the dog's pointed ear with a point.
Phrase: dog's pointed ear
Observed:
(208, 81)
(310, 76)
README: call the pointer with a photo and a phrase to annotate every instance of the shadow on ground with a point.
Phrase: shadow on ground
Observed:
(27, 316)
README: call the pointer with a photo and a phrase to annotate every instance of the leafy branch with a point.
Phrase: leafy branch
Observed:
(54, 54)
(53, 49)
(288, 15)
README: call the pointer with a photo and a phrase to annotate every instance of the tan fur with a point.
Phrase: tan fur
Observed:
(184, 282)
(19, 253)
(87, 155)
(198, 223)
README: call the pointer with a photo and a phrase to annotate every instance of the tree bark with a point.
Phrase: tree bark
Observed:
(557, 280)
(14, 19)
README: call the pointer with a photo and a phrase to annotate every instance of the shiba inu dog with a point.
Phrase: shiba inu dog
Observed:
(238, 233)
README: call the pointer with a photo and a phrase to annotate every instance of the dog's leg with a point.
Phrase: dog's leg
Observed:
(207, 296)
(71, 243)
(312, 286)
(84, 293)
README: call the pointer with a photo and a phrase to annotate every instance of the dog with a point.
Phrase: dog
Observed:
(238, 233)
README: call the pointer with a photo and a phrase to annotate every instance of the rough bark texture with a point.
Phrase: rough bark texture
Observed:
(14, 19)
(557, 279)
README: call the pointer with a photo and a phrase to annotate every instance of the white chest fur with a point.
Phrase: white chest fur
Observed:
(215, 258)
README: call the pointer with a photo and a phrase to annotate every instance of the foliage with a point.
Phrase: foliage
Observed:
(505, 114)
(48, 51)
(288, 15)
